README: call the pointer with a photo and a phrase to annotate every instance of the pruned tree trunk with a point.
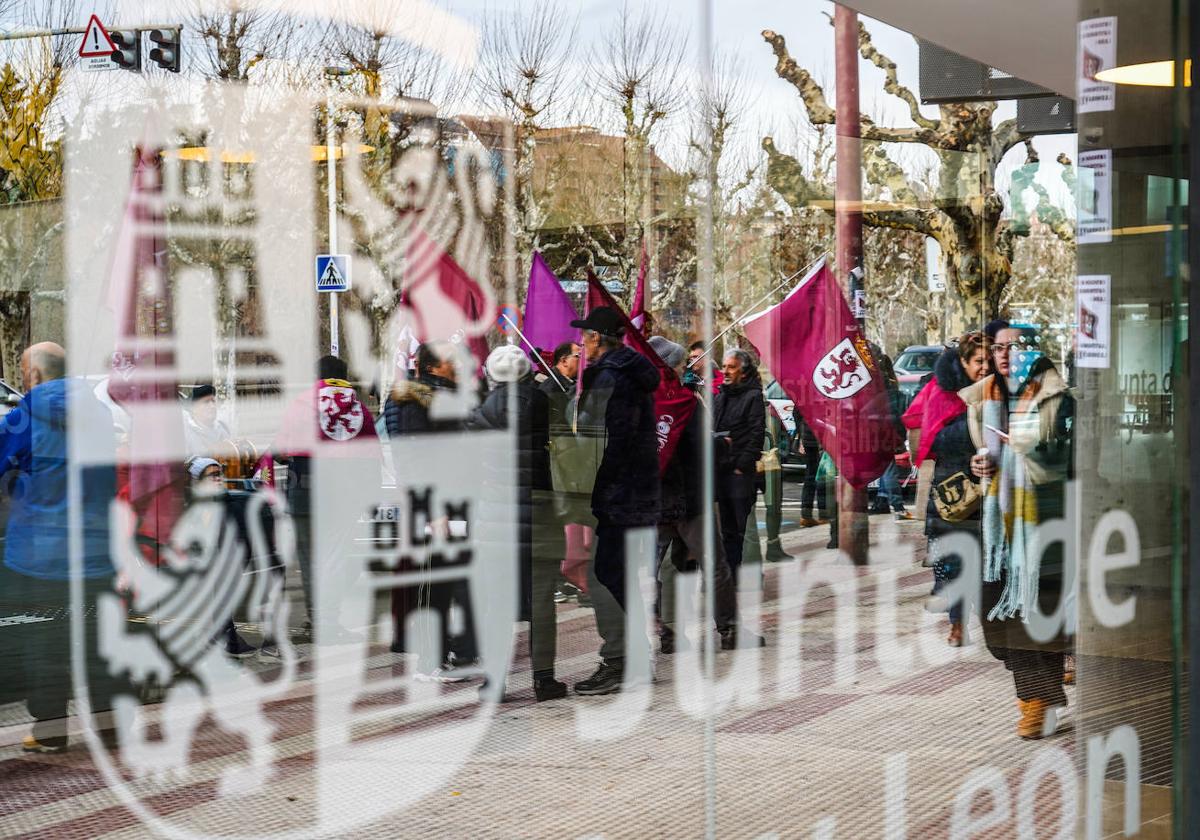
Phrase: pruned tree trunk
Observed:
(14, 334)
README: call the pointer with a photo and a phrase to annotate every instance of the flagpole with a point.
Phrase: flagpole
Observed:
(536, 354)
(754, 306)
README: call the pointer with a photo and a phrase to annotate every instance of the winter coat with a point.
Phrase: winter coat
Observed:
(1046, 444)
(618, 404)
(406, 411)
(740, 411)
(533, 429)
(560, 401)
(944, 417)
(34, 444)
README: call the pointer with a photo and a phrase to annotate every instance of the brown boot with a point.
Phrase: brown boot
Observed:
(1032, 724)
(955, 639)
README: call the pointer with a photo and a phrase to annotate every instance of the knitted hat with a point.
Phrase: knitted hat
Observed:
(507, 363)
(671, 353)
(197, 466)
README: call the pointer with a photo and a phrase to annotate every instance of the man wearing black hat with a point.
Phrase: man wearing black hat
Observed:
(617, 403)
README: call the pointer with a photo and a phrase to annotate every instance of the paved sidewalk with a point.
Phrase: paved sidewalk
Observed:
(782, 763)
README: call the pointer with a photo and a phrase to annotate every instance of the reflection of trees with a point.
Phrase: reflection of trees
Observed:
(31, 167)
(521, 74)
(965, 214)
(897, 302)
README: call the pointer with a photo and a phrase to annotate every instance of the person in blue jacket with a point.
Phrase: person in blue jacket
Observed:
(37, 564)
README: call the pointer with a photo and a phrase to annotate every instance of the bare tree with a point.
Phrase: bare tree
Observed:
(387, 66)
(966, 214)
(521, 74)
(237, 37)
(638, 70)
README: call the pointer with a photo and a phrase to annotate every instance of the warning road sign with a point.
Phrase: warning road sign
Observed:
(97, 48)
(333, 272)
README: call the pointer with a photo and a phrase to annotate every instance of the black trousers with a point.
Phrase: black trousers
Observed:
(39, 653)
(734, 511)
(813, 491)
(1036, 667)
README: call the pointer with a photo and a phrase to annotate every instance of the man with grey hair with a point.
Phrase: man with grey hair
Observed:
(685, 516)
(37, 564)
(739, 424)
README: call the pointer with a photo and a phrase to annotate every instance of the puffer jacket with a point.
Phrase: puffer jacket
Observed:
(406, 411)
(952, 447)
(618, 404)
(533, 429)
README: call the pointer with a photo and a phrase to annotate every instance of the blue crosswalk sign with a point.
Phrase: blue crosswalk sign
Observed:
(333, 272)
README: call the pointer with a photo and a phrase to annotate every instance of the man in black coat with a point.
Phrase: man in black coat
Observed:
(739, 424)
(617, 403)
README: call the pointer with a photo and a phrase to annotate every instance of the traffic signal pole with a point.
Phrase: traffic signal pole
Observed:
(853, 534)
(78, 30)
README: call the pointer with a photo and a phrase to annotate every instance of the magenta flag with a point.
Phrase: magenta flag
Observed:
(548, 310)
(674, 402)
(637, 312)
(814, 347)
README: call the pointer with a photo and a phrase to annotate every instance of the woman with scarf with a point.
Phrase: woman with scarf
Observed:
(941, 415)
(1022, 416)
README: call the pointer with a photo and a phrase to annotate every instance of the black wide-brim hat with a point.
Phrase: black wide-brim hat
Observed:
(604, 320)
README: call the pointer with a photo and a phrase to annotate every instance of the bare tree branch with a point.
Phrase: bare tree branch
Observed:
(891, 84)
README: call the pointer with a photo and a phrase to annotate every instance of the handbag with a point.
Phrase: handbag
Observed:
(957, 497)
(768, 461)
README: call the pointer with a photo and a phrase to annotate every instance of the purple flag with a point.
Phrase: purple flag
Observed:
(548, 310)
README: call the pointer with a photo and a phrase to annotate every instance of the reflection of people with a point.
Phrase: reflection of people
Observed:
(681, 534)
(407, 414)
(1022, 416)
(739, 422)
(574, 507)
(773, 495)
(208, 481)
(941, 415)
(617, 403)
(890, 493)
(330, 413)
(539, 531)
(37, 567)
(203, 433)
(812, 492)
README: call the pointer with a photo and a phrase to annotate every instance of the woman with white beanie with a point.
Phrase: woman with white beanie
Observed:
(540, 533)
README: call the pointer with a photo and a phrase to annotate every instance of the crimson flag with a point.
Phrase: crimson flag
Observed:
(637, 312)
(814, 347)
(444, 300)
(674, 402)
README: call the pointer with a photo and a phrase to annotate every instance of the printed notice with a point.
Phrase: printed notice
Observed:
(1097, 52)
(1094, 197)
(1093, 322)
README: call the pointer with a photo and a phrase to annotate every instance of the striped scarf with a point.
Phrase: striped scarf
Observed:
(1010, 516)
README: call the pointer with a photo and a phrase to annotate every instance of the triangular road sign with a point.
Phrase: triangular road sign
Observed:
(96, 42)
(331, 277)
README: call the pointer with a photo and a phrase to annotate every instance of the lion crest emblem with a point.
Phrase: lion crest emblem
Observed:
(842, 372)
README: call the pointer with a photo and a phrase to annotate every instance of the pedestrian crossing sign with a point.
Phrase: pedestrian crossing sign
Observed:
(333, 272)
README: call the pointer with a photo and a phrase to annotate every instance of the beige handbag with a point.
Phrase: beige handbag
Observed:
(769, 462)
(957, 497)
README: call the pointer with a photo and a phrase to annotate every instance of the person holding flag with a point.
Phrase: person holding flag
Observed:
(617, 404)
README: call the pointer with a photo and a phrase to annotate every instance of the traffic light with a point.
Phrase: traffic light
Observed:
(166, 51)
(128, 52)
